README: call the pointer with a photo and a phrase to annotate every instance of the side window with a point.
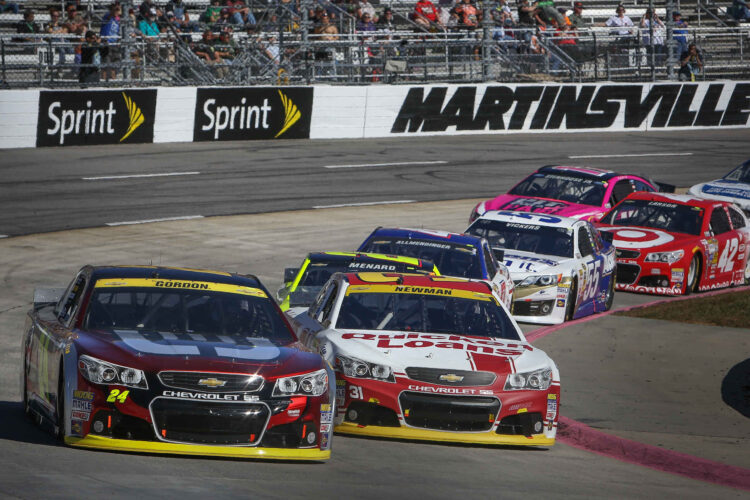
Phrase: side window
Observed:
(69, 302)
(642, 186)
(584, 242)
(720, 221)
(330, 299)
(738, 220)
(317, 303)
(489, 261)
(621, 191)
(596, 238)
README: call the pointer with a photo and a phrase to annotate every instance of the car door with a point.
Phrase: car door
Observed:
(740, 226)
(591, 264)
(729, 255)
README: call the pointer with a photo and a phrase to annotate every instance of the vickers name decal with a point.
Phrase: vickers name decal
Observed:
(560, 107)
(68, 118)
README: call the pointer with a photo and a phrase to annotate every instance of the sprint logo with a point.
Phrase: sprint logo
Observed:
(251, 113)
(135, 114)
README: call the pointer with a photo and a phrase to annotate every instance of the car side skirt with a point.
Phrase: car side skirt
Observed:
(490, 438)
(104, 443)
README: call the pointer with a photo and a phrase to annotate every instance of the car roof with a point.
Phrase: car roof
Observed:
(428, 234)
(684, 199)
(172, 273)
(366, 257)
(533, 218)
(418, 280)
(583, 172)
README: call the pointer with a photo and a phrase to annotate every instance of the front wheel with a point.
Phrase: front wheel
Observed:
(570, 308)
(692, 277)
(610, 293)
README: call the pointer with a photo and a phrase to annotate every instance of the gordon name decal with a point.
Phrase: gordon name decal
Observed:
(560, 107)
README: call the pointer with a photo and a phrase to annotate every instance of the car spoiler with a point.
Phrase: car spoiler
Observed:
(47, 296)
(664, 187)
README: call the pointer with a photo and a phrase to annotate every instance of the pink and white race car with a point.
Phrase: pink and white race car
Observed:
(578, 192)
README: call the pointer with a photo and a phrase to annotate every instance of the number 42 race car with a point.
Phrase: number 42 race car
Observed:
(161, 360)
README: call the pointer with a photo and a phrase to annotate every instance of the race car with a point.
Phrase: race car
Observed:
(178, 361)
(302, 284)
(579, 192)
(734, 187)
(676, 244)
(459, 255)
(561, 267)
(430, 358)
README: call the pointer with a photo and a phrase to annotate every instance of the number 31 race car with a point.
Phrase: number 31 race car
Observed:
(178, 361)
(430, 358)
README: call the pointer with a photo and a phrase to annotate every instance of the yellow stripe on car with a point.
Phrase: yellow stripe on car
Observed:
(419, 290)
(179, 284)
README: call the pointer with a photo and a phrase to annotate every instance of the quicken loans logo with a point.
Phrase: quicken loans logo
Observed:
(248, 117)
(92, 120)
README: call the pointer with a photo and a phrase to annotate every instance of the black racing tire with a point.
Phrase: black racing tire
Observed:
(691, 282)
(570, 307)
(610, 294)
(24, 390)
(60, 406)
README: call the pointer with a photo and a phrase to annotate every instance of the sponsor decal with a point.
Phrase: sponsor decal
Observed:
(426, 340)
(209, 397)
(368, 266)
(326, 417)
(534, 205)
(569, 107)
(650, 289)
(448, 390)
(325, 407)
(626, 237)
(340, 394)
(450, 377)
(560, 302)
(731, 192)
(212, 382)
(117, 396)
(81, 405)
(714, 286)
(76, 428)
(80, 415)
(678, 274)
(324, 440)
(81, 117)
(325, 428)
(233, 114)
(89, 396)
(294, 413)
(562, 295)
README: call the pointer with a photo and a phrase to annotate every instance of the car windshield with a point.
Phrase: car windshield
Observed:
(568, 188)
(185, 311)
(318, 272)
(741, 173)
(426, 314)
(672, 217)
(450, 258)
(547, 240)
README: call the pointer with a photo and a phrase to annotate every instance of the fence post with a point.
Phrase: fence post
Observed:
(485, 42)
(670, 41)
(2, 53)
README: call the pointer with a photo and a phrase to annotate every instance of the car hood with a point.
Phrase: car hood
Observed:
(538, 205)
(737, 191)
(643, 238)
(400, 350)
(157, 351)
(524, 263)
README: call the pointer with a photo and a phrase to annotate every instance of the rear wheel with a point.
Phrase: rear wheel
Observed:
(610, 293)
(693, 274)
(570, 309)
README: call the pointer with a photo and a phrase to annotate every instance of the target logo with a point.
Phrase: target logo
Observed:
(626, 237)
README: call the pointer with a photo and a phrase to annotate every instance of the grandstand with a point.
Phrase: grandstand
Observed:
(283, 46)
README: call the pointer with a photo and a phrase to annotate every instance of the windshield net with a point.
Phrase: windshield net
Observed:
(741, 173)
(562, 187)
(533, 238)
(451, 259)
(186, 311)
(672, 217)
(426, 314)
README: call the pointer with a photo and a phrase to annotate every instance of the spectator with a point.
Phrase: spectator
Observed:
(386, 21)
(549, 12)
(739, 11)
(55, 26)
(225, 50)
(576, 18)
(181, 19)
(658, 28)
(6, 6)
(565, 37)
(110, 33)
(691, 64)
(92, 53)
(316, 15)
(241, 13)
(468, 13)
(146, 7)
(27, 26)
(526, 19)
(323, 6)
(224, 19)
(75, 22)
(205, 48)
(326, 30)
(365, 7)
(679, 33)
(212, 12)
(365, 24)
(425, 13)
(148, 26)
(621, 24)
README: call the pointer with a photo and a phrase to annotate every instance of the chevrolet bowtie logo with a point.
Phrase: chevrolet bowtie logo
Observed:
(451, 377)
(212, 382)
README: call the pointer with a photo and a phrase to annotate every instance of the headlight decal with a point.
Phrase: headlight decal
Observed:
(666, 257)
(356, 368)
(308, 384)
(105, 373)
(537, 380)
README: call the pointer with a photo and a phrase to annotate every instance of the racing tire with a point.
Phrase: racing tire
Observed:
(691, 283)
(570, 308)
(60, 407)
(610, 294)
(26, 408)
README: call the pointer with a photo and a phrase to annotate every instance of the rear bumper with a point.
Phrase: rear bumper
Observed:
(127, 445)
(489, 438)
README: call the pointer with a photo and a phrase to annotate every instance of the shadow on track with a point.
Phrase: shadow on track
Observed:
(16, 427)
(735, 388)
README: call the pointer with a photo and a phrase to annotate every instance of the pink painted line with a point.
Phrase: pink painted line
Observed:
(583, 437)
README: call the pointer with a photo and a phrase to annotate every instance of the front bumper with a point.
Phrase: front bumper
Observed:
(654, 278)
(128, 445)
(541, 304)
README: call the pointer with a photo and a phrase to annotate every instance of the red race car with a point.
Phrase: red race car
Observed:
(677, 244)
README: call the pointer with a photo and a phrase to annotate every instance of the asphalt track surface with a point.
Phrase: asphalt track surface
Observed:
(42, 192)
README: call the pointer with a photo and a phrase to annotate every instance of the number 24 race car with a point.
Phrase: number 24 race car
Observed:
(161, 360)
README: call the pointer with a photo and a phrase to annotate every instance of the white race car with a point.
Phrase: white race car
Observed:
(734, 187)
(561, 267)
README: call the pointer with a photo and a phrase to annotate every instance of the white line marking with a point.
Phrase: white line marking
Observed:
(364, 165)
(631, 156)
(136, 176)
(366, 204)
(3, 236)
(148, 221)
